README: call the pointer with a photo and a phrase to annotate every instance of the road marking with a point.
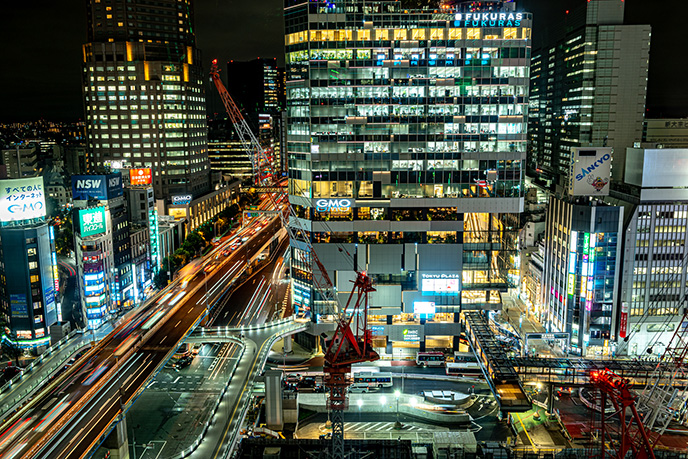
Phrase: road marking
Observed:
(177, 324)
(243, 389)
(532, 443)
(163, 339)
(190, 310)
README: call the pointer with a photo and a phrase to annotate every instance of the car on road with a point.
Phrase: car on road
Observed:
(184, 362)
(361, 388)
(225, 253)
(292, 378)
(209, 267)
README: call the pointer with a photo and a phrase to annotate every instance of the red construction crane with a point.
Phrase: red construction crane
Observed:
(349, 345)
(351, 342)
(623, 430)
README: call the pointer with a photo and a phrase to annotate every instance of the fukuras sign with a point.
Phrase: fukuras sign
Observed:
(488, 19)
(328, 205)
(590, 171)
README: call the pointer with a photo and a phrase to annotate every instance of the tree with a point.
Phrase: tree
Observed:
(206, 231)
(194, 242)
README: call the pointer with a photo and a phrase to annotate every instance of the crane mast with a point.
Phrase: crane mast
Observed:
(351, 342)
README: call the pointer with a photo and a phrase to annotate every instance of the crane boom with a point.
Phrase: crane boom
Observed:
(248, 139)
(349, 344)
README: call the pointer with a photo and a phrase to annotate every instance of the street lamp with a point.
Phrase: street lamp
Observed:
(360, 404)
(397, 425)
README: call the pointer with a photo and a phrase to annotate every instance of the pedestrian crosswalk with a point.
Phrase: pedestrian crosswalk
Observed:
(369, 427)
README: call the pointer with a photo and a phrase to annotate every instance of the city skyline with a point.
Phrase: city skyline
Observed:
(224, 33)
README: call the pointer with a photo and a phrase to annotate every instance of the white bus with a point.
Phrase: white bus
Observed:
(430, 359)
(374, 379)
(464, 364)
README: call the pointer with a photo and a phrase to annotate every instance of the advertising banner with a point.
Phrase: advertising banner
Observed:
(92, 221)
(623, 323)
(140, 176)
(99, 187)
(18, 306)
(181, 199)
(590, 171)
(22, 199)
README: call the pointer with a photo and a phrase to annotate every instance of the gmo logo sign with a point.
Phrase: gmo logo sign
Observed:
(327, 205)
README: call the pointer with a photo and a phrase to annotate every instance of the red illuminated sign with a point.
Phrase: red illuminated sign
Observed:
(142, 176)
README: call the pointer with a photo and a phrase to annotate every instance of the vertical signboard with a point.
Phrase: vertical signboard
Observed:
(590, 171)
(623, 323)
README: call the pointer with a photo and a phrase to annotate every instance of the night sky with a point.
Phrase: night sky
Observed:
(39, 76)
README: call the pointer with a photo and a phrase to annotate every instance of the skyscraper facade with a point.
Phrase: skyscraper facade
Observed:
(588, 87)
(144, 97)
(29, 281)
(406, 141)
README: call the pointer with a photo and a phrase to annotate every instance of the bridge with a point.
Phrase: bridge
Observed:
(70, 416)
(505, 375)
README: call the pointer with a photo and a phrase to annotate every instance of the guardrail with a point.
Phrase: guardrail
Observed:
(32, 389)
(206, 425)
(263, 356)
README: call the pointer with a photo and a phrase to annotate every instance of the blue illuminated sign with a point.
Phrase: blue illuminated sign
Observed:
(325, 205)
(488, 19)
(99, 187)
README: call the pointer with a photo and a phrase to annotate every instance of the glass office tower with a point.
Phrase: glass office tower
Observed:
(406, 141)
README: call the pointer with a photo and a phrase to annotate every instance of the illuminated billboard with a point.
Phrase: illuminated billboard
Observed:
(140, 176)
(424, 307)
(92, 221)
(99, 187)
(181, 199)
(440, 284)
(22, 199)
(590, 171)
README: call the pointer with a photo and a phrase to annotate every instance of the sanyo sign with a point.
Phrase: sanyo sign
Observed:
(329, 205)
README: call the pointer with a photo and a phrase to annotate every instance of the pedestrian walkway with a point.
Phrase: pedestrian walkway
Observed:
(415, 431)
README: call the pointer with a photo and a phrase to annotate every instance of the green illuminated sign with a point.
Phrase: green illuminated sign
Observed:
(92, 221)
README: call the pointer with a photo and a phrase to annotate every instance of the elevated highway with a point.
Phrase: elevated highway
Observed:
(69, 417)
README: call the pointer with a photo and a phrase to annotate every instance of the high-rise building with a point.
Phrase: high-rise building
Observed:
(28, 266)
(588, 87)
(655, 261)
(144, 94)
(406, 142)
(666, 132)
(226, 152)
(102, 242)
(21, 160)
(254, 86)
(581, 273)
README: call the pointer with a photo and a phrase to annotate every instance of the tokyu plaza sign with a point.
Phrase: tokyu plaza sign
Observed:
(488, 19)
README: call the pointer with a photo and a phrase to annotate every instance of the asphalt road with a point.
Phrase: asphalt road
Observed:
(68, 420)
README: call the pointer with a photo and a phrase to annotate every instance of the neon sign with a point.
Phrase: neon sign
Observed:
(488, 19)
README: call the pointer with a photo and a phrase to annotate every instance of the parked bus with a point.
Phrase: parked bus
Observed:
(430, 359)
(464, 364)
(374, 379)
